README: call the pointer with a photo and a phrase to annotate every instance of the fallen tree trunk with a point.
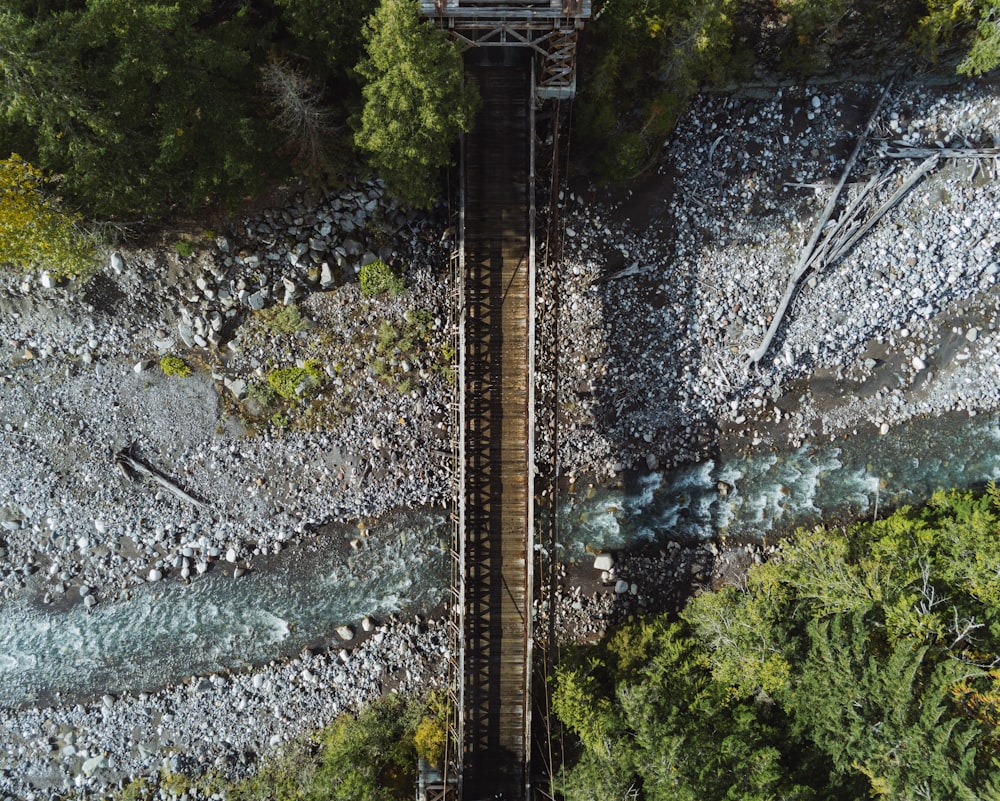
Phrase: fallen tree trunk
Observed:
(804, 259)
(131, 467)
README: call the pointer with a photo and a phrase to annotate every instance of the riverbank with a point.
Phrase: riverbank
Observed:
(653, 374)
(669, 285)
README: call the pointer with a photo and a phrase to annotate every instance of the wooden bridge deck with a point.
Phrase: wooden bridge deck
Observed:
(497, 400)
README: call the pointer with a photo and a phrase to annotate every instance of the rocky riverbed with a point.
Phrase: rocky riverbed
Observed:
(665, 289)
(669, 285)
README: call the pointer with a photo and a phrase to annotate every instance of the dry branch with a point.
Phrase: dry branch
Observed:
(804, 258)
(131, 467)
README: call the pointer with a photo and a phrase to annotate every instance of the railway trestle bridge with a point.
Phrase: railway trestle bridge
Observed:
(522, 54)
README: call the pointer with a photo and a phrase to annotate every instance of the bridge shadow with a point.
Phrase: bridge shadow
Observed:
(647, 321)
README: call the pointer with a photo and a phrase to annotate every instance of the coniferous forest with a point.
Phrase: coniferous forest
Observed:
(861, 663)
(143, 110)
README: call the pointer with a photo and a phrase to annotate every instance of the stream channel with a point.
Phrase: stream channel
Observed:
(167, 631)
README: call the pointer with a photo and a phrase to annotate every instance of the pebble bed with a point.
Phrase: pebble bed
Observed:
(655, 368)
(653, 372)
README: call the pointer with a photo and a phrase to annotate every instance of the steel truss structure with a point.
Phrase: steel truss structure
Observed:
(548, 27)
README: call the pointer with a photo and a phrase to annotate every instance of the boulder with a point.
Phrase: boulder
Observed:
(604, 561)
(326, 276)
(237, 386)
(94, 764)
(345, 633)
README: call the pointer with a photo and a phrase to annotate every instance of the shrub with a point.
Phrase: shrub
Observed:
(35, 232)
(175, 366)
(287, 381)
(184, 248)
(284, 319)
(378, 277)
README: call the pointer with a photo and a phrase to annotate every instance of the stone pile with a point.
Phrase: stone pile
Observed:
(71, 518)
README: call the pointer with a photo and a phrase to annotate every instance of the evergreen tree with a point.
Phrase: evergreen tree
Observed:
(416, 100)
(858, 664)
(141, 106)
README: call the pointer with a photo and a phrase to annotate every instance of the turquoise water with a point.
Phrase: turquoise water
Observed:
(168, 631)
(748, 498)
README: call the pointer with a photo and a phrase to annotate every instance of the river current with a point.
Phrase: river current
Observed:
(167, 631)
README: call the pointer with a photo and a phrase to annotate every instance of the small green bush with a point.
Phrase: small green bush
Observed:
(378, 277)
(175, 366)
(285, 381)
(184, 248)
(284, 319)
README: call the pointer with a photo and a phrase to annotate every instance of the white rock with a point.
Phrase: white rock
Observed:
(237, 386)
(326, 276)
(918, 363)
(345, 632)
(155, 575)
(972, 334)
(366, 624)
(231, 555)
(621, 587)
(604, 561)
(117, 263)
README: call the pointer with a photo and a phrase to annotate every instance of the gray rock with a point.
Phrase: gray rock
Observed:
(256, 301)
(326, 276)
(94, 764)
(186, 332)
(237, 386)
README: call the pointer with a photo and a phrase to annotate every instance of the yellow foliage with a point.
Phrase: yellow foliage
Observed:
(35, 234)
(429, 740)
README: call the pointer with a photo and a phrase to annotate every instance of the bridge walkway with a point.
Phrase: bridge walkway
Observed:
(497, 356)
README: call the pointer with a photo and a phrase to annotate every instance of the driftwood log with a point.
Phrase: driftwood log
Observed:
(133, 468)
(803, 264)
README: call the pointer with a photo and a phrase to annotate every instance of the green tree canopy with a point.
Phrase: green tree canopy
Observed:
(643, 61)
(971, 24)
(140, 105)
(860, 664)
(416, 100)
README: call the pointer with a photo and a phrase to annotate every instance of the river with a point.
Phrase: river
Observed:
(167, 631)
